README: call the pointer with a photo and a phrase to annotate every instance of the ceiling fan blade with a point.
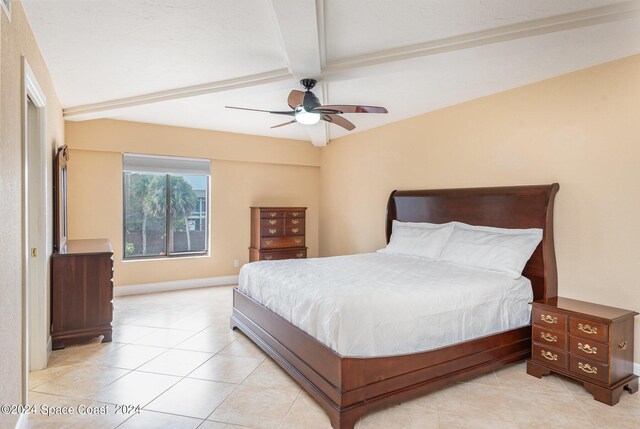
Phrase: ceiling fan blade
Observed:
(286, 123)
(349, 108)
(274, 112)
(295, 98)
(339, 120)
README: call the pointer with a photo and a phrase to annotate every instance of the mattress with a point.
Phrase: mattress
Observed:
(374, 304)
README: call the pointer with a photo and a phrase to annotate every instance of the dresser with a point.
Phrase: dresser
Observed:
(587, 342)
(277, 233)
(81, 291)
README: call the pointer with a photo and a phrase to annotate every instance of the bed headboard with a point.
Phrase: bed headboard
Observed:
(503, 207)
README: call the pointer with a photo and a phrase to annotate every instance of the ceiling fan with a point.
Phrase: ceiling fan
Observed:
(307, 109)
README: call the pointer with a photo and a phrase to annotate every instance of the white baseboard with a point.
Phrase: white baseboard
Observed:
(173, 285)
(23, 422)
(636, 368)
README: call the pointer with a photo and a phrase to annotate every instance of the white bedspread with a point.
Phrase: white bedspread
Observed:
(380, 305)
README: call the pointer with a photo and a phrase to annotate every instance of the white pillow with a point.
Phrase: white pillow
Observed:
(495, 249)
(423, 239)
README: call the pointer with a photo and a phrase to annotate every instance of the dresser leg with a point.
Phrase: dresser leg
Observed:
(107, 337)
(601, 394)
(536, 370)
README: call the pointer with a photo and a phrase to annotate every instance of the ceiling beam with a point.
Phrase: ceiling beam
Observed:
(298, 24)
(392, 59)
(106, 108)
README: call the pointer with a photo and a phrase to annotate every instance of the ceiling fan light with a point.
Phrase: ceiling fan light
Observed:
(306, 118)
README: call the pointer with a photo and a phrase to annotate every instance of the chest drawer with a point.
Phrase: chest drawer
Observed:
(270, 223)
(272, 231)
(549, 338)
(588, 349)
(294, 222)
(271, 214)
(285, 254)
(588, 329)
(549, 319)
(295, 214)
(294, 230)
(281, 242)
(589, 368)
(549, 356)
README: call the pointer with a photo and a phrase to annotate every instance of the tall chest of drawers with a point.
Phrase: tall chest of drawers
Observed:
(277, 233)
(587, 342)
(81, 292)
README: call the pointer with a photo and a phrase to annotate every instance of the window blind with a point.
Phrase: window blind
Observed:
(165, 164)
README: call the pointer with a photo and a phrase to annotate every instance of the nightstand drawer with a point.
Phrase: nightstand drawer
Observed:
(581, 347)
(589, 368)
(550, 338)
(588, 329)
(549, 319)
(549, 356)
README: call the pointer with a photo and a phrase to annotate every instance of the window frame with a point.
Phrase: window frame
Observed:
(168, 239)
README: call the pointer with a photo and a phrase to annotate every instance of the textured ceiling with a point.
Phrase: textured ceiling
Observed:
(409, 56)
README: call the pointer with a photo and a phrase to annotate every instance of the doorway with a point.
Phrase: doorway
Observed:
(36, 231)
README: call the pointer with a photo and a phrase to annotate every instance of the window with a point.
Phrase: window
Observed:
(165, 206)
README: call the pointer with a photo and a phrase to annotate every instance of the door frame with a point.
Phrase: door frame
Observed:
(36, 344)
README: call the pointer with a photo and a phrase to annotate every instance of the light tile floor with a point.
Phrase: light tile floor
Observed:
(174, 355)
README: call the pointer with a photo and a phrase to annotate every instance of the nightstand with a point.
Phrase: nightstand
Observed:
(587, 342)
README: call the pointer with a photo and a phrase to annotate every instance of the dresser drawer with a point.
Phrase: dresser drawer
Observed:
(588, 329)
(581, 347)
(589, 368)
(271, 214)
(295, 215)
(549, 319)
(270, 223)
(285, 254)
(294, 222)
(549, 356)
(550, 338)
(281, 242)
(272, 231)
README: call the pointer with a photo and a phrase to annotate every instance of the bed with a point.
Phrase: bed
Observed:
(350, 380)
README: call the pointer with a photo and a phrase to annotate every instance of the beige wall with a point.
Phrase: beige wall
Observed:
(288, 175)
(17, 41)
(581, 130)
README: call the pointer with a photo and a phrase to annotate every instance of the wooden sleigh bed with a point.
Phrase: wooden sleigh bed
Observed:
(347, 388)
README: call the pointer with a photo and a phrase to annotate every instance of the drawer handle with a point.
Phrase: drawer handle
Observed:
(548, 319)
(268, 242)
(295, 221)
(298, 240)
(273, 214)
(294, 214)
(548, 337)
(588, 349)
(587, 329)
(299, 255)
(548, 355)
(294, 230)
(267, 257)
(623, 345)
(587, 368)
(272, 221)
(273, 230)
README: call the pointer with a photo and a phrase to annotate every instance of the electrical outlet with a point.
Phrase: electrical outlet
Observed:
(236, 263)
